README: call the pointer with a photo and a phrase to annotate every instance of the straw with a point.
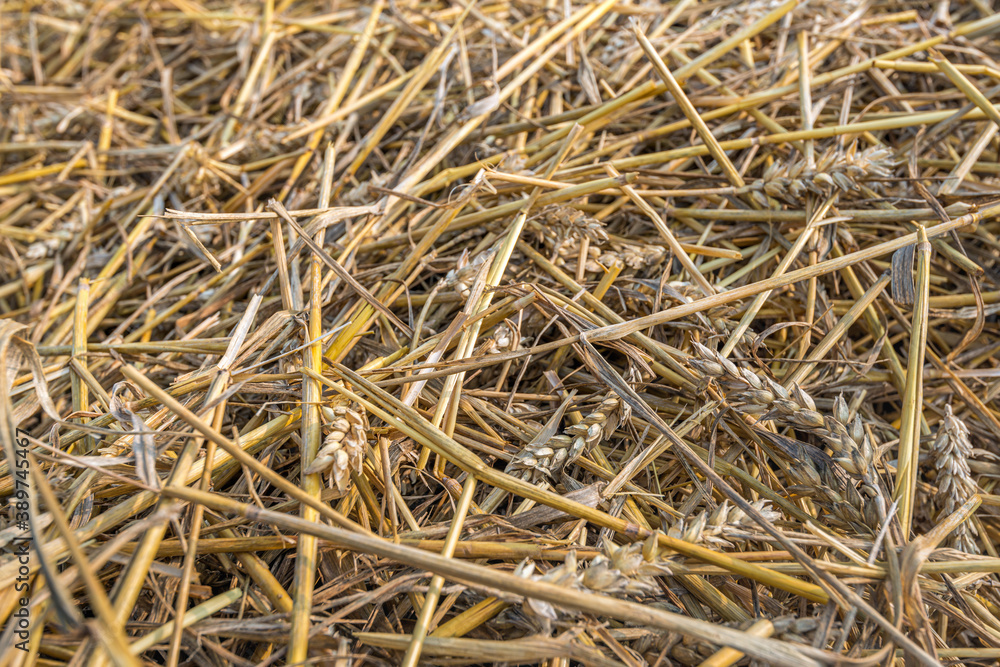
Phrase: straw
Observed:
(467, 333)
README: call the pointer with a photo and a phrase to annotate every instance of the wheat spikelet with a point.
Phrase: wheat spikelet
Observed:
(624, 571)
(620, 571)
(951, 451)
(464, 274)
(566, 575)
(566, 222)
(504, 339)
(343, 449)
(833, 172)
(563, 230)
(814, 473)
(765, 398)
(634, 256)
(714, 528)
(759, 396)
(830, 489)
(547, 459)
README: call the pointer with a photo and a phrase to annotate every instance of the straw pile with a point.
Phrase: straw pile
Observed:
(617, 333)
